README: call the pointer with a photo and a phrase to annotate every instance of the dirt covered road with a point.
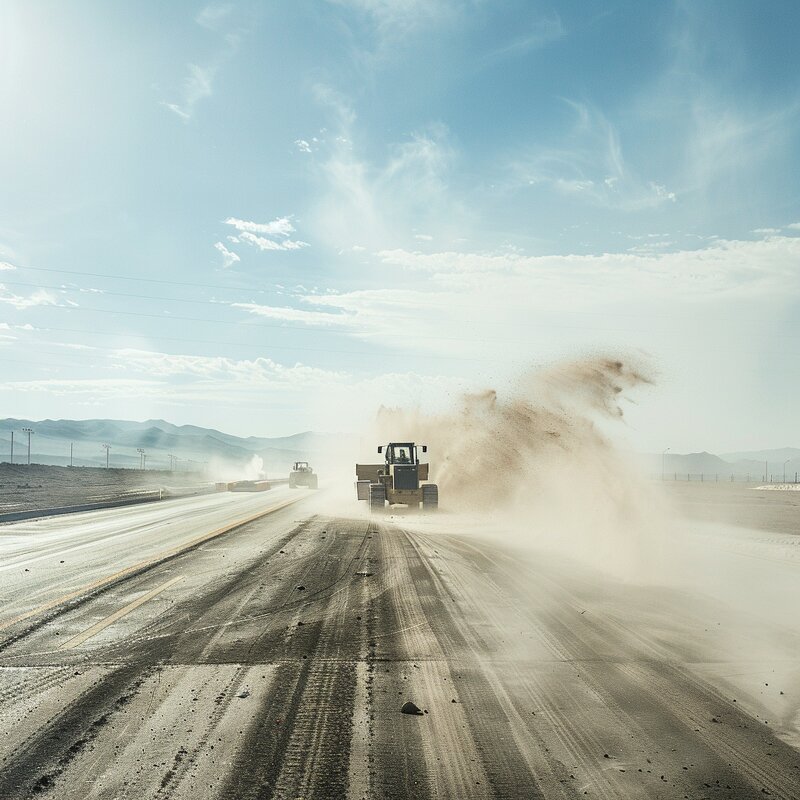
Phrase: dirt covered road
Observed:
(272, 660)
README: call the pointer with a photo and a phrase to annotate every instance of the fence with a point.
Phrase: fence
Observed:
(718, 477)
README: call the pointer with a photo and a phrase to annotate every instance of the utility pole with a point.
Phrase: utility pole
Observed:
(29, 431)
(12, 447)
(140, 451)
(663, 457)
(70, 453)
(106, 447)
(784, 468)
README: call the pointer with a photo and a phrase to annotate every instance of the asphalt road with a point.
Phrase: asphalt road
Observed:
(159, 652)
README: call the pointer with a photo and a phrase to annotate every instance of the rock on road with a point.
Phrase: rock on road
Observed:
(161, 653)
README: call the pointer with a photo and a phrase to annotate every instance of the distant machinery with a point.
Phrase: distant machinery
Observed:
(302, 475)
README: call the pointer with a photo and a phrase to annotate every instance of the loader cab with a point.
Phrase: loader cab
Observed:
(402, 453)
(300, 466)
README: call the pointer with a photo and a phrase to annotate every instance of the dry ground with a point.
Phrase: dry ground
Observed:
(38, 486)
(272, 660)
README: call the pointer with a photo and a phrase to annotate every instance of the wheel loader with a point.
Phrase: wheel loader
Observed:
(302, 475)
(399, 481)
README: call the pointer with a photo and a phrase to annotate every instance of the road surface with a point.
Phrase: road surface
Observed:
(165, 652)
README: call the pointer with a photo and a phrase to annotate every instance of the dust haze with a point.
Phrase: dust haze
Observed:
(538, 471)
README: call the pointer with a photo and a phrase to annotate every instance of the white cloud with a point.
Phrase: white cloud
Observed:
(263, 243)
(40, 297)
(275, 234)
(229, 258)
(661, 192)
(723, 267)
(277, 228)
(302, 145)
(4, 265)
(295, 314)
(257, 372)
(96, 388)
(794, 226)
(766, 231)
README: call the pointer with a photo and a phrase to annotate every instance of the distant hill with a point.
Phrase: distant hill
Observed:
(756, 464)
(777, 455)
(190, 444)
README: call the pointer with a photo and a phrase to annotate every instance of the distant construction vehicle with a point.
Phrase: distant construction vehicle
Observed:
(398, 480)
(302, 475)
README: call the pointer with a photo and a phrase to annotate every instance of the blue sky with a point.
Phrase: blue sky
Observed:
(269, 217)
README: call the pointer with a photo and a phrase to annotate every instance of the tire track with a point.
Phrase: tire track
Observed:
(635, 685)
(37, 766)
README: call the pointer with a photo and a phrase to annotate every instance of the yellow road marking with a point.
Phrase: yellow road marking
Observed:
(104, 623)
(100, 582)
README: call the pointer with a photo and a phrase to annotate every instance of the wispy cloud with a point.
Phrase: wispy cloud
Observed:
(212, 15)
(542, 31)
(4, 265)
(724, 124)
(229, 258)
(196, 86)
(199, 83)
(96, 390)
(588, 164)
(40, 297)
(315, 318)
(258, 371)
(395, 18)
(374, 202)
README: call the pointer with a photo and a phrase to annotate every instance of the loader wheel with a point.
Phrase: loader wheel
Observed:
(292, 483)
(430, 497)
(377, 497)
(313, 483)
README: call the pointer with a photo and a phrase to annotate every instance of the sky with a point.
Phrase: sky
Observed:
(269, 217)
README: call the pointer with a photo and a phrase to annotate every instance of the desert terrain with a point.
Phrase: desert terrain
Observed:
(28, 487)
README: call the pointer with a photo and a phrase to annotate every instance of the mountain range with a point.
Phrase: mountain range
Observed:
(191, 445)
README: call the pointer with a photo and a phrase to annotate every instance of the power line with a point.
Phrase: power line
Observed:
(328, 329)
(86, 290)
(137, 278)
(477, 305)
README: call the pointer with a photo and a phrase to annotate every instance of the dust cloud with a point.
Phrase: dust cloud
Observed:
(537, 472)
(538, 465)
(224, 470)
